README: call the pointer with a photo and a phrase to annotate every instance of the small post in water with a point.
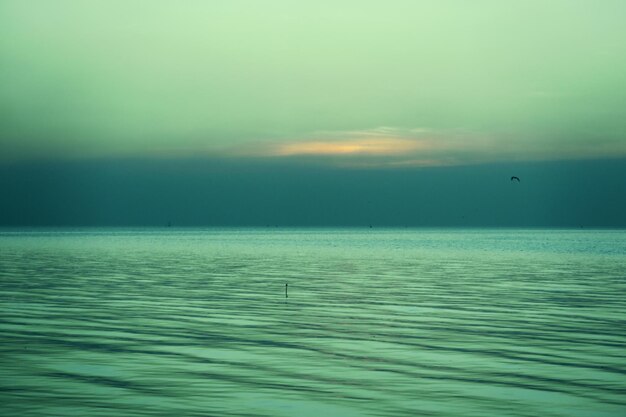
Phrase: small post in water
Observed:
(286, 285)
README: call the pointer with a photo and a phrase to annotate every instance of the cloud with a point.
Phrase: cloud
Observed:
(388, 146)
(423, 147)
(381, 141)
(376, 147)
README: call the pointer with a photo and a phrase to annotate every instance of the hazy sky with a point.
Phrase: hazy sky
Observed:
(379, 82)
(331, 85)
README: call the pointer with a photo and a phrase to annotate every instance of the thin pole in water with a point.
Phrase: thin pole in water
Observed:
(286, 285)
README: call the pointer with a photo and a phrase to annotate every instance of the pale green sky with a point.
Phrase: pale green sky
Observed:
(360, 82)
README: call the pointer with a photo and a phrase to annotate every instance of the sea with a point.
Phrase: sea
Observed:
(313, 322)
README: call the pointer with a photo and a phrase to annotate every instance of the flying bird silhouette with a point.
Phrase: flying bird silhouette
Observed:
(515, 179)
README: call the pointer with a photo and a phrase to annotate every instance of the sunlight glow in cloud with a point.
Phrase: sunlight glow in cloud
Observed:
(378, 146)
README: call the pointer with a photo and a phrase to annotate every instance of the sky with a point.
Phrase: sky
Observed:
(287, 112)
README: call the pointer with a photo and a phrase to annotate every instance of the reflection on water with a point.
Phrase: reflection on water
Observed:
(377, 323)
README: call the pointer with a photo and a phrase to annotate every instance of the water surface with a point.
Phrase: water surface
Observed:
(378, 322)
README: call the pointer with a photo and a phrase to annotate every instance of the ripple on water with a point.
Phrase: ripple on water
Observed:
(381, 323)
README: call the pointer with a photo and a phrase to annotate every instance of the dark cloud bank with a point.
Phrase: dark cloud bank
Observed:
(202, 192)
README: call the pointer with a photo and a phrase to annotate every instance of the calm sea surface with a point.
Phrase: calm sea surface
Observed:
(409, 322)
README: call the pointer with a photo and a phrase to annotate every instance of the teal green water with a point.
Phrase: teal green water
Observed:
(377, 323)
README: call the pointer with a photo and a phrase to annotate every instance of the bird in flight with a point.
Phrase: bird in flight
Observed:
(515, 179)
